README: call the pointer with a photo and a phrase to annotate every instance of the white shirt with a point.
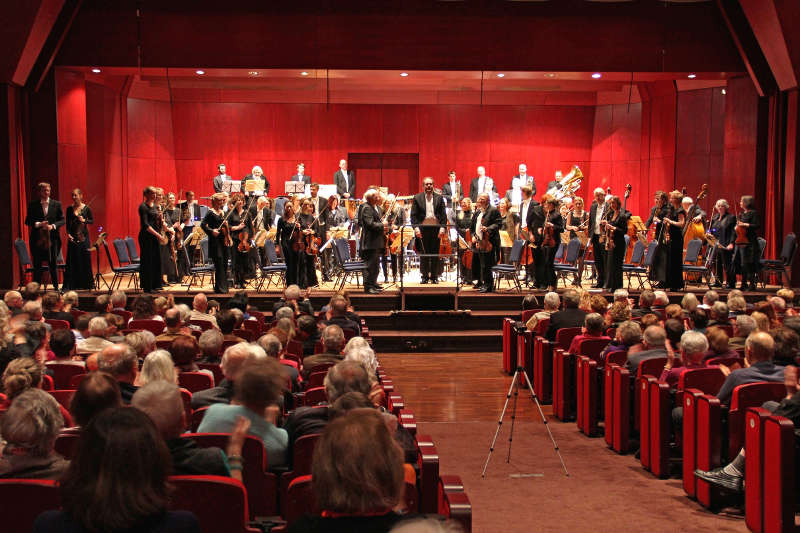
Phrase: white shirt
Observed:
(346, 181)
(45, 204)
(597, 218)
(454, 190)
(429, 206)
(481, 185)
(478, 231)
(523, 223)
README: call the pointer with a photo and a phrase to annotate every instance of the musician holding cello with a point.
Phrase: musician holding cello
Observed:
(241, 226)
(216, 227)
(550, 235)
(485, 230)
(429, 217)
(150, 240)
(576, 223)
(78, 274)
(748, 222)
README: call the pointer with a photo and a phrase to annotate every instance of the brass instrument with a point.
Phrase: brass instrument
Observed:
(569, 184)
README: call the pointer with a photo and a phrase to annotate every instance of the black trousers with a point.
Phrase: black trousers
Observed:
(390, 259)
(540, 267)
(429, 264)
(219, 255)
(370, 258)
(240, 264)
(292, 259)
(548, 274)
(724, 267)
(482, 263)
(39, 256)
(149, 262)
(599, 259)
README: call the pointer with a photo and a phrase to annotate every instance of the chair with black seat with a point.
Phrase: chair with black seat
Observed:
(348, 268)
(274, 269)
(641, 259)
(510, 271)
(28, 498)
(569, 266)
(692, 253)
(783, 263)
(219, 503)
(133, 252)
(197, 273)
(121, 271)
(25, 263)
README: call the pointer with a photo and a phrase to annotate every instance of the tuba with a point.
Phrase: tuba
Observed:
(570, 183)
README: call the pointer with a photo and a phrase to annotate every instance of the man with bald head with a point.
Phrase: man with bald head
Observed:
(200, 309)
(232, 361)
(121, 362)
(175, 327)
(759, 348)
(13, 300)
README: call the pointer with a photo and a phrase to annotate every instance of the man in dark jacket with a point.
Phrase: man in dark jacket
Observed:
(373, 239)
(44, 218)
(569, 317)
(429, 217)
(485, 222)
(333, 343)
(232, 361)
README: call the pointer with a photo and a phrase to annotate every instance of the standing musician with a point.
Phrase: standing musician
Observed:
(241, 225)
(550, 233)
(452, 191)
(660, 211)
(256, 174)
(192, 214)
(320, 211)
(44, 217)
(220, 177)
(262, 222)
(428, 211)
(528, 203)
(150, 239)
(535, 221)
(164, 249)
(696, 227)
(212, 225)
(596, 214)
(345, 181)
(373, 235)
(336, 219)
(394, 219)
(301, 175)
(287, 232)
(481, 184)
(674, 237)
(485, 224)
(173, 266)
(523, 179)
(576, 223)
(510, 224)
(463, 223)
(78, 274)
(723, 234)
(747, 225)
(308, 269)
(615, 225)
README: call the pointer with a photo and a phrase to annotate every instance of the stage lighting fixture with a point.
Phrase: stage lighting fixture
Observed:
(199, 72)
(96, 70)
(692, 76)
(724, 91)
(550, 75)
(501, 75)
(597, 75)
(404, 74)
(253, 73)
(304, 73)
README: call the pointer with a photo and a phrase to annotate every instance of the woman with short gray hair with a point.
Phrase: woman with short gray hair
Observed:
(158, 365)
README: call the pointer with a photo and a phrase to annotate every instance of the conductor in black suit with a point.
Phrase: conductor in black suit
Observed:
(596, 213)
(372, 239)
(45, 215)
(535, 221)
(301, 175)
(428, 211)
(345, 181)
(486, 219)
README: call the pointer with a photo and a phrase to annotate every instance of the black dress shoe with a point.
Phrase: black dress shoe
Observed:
(424, 282)
(435, 281)
(597, 286)
(719, 478)
(373, 290)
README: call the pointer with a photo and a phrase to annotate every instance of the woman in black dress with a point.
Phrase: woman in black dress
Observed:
(394, 219)
(576, 223)
(660, 211)
(241, 227)
(288, 227)
(616, 226)
(217, 250)
(78, 274)
(551, 238)
(172, 217)
(150, 239)
(674, 234)
(463, 223)
(510, 225)
(748, 250)
(307, 270)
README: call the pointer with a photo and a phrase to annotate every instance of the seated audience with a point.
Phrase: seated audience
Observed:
(737, 304)
(698, 320)
(365, 356)
(119, 301)
(157, 366)
(673, 311)
(81, 330)
(292, 298)
(143, 308)
(273, 348)
(62, 344)
(227, 323)
(598, 304)
(53, 308)
(337, 315)
(709, 299)
(743, 326)
(646, 299)
(97, 392)
(650, 319)
(762, 321)
(674, 328)
(569, 317)
(232, 361)
(210, 344)
(121, 362)
(653, 340)
(174, 326)
(718, 344)
(283, 329)
(14, 301)
(70, 300)
(32, 292)
(627, 338)
(32, 340)
(98, 329)
(308, 325)
(332, 342)
(759, 349)
(787, 295)
(102, 304)
(766, 308)
(592, 329)
(787, 346)
(200, 309)
(118, 480)
(115, 326)
(142, 342)
(693, 348)
(618, 313)
(689, 302)
(622, 296)
(184, 351)
(718, 314)
(661, 299)
(21, 374)
(551, 304)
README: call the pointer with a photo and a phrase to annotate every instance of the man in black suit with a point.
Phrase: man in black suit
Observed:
(220, 177)
(44, 217)
(654, 342)
(523, 178)
(596, 213)
(372, 239)
(480, 184)
(345, 181)
(301, 175)
(428, 211)
(535, 223)
(569, 317)
(256, 174)
(486, 219)
(452, 192)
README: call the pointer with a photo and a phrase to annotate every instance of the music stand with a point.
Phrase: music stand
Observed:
(294, 187)
(98, 278)
(230, 187)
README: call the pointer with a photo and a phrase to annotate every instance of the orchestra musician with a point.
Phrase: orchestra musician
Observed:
(256, 174)
(463, 222)
(522, 179)
(452, 191)
(44, 217)
(220, 177)
(240, 223)
(308, 224)
(536, 220)
(373, 235)
(301, 175)
(287, 227)
(172, 225)
(576, 223)
(320, 226)
(193, 213)
(550, 233)
(262, 222)
(528, 203)
(747, 249)
(510, 224)
(480, 184)
(78, 273)
(345, 181)
(336, 218)
(394, 219)
(674, 234)
(659, 211)
(722, 229)
(211, 225)
(485, 220)
(596, 215)
(150, 240)
(429, 218)
(616, 226)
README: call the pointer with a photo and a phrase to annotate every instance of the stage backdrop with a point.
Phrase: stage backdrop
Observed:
(113, 146)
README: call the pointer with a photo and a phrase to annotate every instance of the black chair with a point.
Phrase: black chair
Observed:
(275, 268)
(133, 252)
(509, 271)
(347, 268)
(197, 272)
(783, 263)
(689, 260)
(25, 263)
(121, 271)
(570, 263)
(637, 267)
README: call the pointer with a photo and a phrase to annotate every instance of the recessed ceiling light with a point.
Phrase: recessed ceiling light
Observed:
(253, 73)
(96, 70)
(304, 73)
(597, 75)
(404, 74)
(692, 76)
(501, 75)
(724, 91)
(550, 75)
(200, 72)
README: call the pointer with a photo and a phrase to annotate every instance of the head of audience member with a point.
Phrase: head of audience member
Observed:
(710, 297)
(210, 344)
(699, 318)
(693, 346)
(160, 304)
(226, 321)
(102, 304)
(70, 300)
(358, 466)
(787, 346)
(593, 324)
(719, 312)
(172, 319)
(778, 305)
(142, 342)
(52, 301)
(291, 294)
(62, 344)
(21, 374)
(284, 312)
(271, 345)
(97, 392)
(338, 307)
(162, 402)
(184, 350)
(743, 326)
(157, 366)
(347, 402)
(119, 300)
(82, 324)
(661, 298)
(260, 384)
(673, 311)
(758, 347)
(238, 301)
(793, 323)
(584, 298)
(530, 302)
(598, 304)
(787, 295)
(333, 339)
(621, 295)
(143, 307)
(32, 292)
(347, 376)
(629, 333)
(619, 311)
(13, 300)
(737, 304)
(654, 337)
(33, 308)
(185, 313)
(200, 302)
(354, 343)
(120, 361)
(31, 425)
(674, 330)
(235, 357)
(365, 356)
(717, 340)
(98, 327)
(118, 478)
(287, 327)
(766, 308)
(115, 324)
(762, 321)
(552, 302)
(213, 307)
(308, 325)
(571, 299)
(650, 319)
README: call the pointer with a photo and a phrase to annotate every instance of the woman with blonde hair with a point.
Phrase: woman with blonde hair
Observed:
(158, 365)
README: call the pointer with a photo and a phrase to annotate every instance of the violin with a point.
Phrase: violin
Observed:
(527, 252)
(225, 231)
(548, 237)
(244, 241)
(297, 240)
(311, 243)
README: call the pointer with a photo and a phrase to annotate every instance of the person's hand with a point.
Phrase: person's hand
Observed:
(215, 232)
(539, 231)
(696, 219)
(656, 220)
(271, 413)
(51, 227)
(729, 247)
(726, 371)
(670, 355)
(238, 435)
(790, 380)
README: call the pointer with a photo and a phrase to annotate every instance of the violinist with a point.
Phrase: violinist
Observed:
(394, 219)
(150, 239)
(212, 225)
(485, 227)
(722, 230)
(660, 210)
(429, 217)
(747, 225)
(307, 270)
(321, 226)
(78, 274)
(673, 234)
(536, 219)
(262, 221)
(169, 256)
(576, 223)
(510, 224)
(615, 225)
(241, 229)
(550, 232)
(596, 215)
(287, 236)
(463, 222)
(373, 239)
(526, 207)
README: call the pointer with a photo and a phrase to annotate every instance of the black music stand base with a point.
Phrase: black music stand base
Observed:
(98, 277)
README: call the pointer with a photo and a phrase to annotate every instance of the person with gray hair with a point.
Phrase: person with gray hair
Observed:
(628, 338)
(661, 298)
(232, 361)
(759, 349)
(292, 298)
(621, 295)
(709, 298)
(143, 342)
(365, 356)
(551, 304)
(13, 300)
(693, 348)
(157, 366)
(271, 345)
(29, 428)
(284, 312)
(121, 362)
(98, 328)
(646, 300)
(210, 344)
(778, 304)
(653, 341)
(743, 326)
(569, 317)
(200, 309)
(162, 402)
(333, 342)
(118, 301)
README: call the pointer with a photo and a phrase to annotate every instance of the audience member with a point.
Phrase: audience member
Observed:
(70, 300)
(653, 343)
(98, 329)
(210, 344)
(737, 305)
(787, 346)
(650, 319)
(81, 330)
(598, 304)
(308, 326)
(709, 299)
(184, 351)
(102, 304)
(273, 348)
(143, 342)
(551, 304)
(232, 361)
(31, 292)
(283, 329)
(227, 322)
(699, 320)
(21, 374)
(121, 362)
(689, 302)
(365, 356)
(97, 392)
(718, 314)
(569, 317)
(119, 301)
(62, 344)
(618, 313)
(718, 344)
(592, 329)
(144, 308)
(115, 326)
(759, 350)
(762, 321)
(674, 329)
(693, 348)
(743, 326)
(292, 298)
(627, 338)
(14, 301)
(646, 299)
(767, 309)
(337, 315)
(53, 308)
(200, 309)
(332, 342)
(174, 326)
(157, 366)
(673, 311)
(661, 299)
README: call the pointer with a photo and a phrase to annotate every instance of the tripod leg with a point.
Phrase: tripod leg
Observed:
(499, 423)
(513, 419)
(535, 400)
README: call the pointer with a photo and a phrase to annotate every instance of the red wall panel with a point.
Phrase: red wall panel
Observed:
(741, 133)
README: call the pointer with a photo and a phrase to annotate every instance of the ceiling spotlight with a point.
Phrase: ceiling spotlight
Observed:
(597, 75)
(96, 70)
(404, 74)
(199, 72)
(501, 75)
(550, 75)
(692, 76)
(724, 91)
(304, 73)
(253, 73)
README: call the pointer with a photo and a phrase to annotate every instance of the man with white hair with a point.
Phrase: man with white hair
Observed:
(699, 214)
(118, 301)
(292, 297)
(373, 239)
(480, 185)
(121, 362)
(661, 299)
(345, 180)
(200, 309)
(621, 295)
(653, 339)
(98, 329)
(693, 348)
(743, 326)
(13, 300)
(596, 214)
(552, 301)
(232, 361)
(257, 173)
(429, 218)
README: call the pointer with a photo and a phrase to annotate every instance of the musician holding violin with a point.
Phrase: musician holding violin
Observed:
(290, 239)
(577, 223)
(173, 230)
(429, 217)
(215, 225)
(78, 274)
(373, 239)
(660, 211)
(241, 225)
(463, 222)
(615, 226)
(527, 257)
(550, 233)
(510, 224)
(748, 222)
(485, 232)
(150, 239)
(722, 235)
(393, 216)
(673, 241)
(311, 243)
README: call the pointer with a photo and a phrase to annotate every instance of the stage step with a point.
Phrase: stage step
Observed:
(405, 341)
(440, 320)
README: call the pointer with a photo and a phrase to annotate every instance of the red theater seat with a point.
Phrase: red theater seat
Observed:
(29, 498)
(219, 503)
(63, 373)
(155, 326)
(302, 455)
(195, 381)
